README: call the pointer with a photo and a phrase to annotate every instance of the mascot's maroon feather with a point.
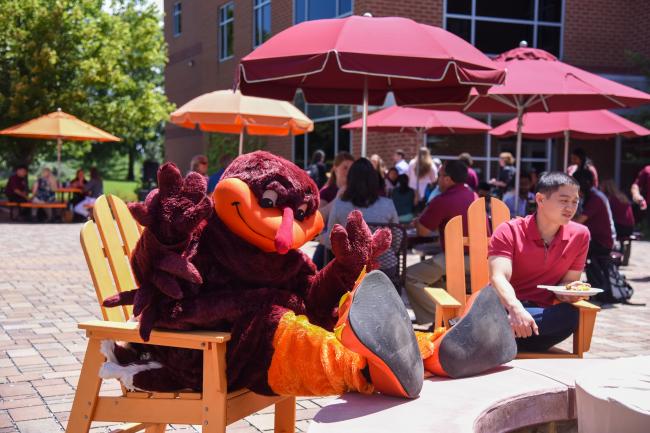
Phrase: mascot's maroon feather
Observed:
(234, 264)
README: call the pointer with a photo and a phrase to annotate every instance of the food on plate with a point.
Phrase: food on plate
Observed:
(582, 287)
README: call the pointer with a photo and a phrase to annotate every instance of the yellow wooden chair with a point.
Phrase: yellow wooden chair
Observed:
(451, 302)
(108, 243)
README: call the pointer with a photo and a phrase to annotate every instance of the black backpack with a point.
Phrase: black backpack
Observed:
(603, 273)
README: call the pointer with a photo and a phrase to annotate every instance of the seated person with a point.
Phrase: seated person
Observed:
(214, 178)
(404, 199)
(391, 180)
(621, 207)
(526, 196)
(362, 193)
(43, 191)
(79, 181)
(596, 215)
(93, 189)
(16, 189)
(543, 248)
(484, 189)
(455, 199)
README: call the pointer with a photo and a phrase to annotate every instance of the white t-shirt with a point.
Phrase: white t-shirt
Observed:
(420, 185)
(402, 167)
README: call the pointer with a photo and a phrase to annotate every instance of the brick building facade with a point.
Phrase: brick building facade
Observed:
(597, 35)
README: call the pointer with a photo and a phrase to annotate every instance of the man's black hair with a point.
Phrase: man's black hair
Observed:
(457, 170)
(400, 152)
(19, 166)
(550, 182)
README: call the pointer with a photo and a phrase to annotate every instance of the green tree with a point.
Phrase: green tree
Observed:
(101, 62)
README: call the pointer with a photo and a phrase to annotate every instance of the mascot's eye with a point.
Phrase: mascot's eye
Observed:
(300, 212)
(269, 198)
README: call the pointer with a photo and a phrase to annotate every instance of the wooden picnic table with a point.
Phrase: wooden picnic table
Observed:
(69, 191)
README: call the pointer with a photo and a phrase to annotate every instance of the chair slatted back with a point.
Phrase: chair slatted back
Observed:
(108, 242)
(399, 247)
(477, 242)
(455, 258)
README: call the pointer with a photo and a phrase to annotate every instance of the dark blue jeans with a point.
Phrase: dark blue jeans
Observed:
(555, 324)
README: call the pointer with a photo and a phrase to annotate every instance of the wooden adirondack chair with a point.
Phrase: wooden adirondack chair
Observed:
(451, 302)
(108, 242)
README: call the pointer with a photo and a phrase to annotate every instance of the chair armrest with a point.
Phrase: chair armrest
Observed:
(128, 331)
(442, 298)
(584, 305)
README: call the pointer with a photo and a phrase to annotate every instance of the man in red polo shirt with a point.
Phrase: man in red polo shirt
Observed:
(454, 200)
(544, 248)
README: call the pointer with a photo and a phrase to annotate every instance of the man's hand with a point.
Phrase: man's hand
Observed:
(522, 322)
(573, 298)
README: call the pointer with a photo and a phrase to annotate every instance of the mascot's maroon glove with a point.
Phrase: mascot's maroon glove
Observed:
(172, 217)
(354, 247)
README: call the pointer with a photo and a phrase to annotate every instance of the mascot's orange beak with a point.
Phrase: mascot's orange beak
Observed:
(269, 229)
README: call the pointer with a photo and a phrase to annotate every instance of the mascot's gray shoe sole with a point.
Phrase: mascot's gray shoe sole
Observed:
(379, 328)
(481, 340)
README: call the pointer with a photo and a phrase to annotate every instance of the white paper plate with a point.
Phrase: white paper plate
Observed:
(561, 290)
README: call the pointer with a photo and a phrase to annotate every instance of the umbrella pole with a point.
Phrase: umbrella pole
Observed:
(520, 124)
(58, 157)
(241, 141)
(566, 150)
(364, 128)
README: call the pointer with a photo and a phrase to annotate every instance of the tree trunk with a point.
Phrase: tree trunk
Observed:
(132, 152)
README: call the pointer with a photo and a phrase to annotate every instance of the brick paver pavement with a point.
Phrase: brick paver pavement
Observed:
(45, 289)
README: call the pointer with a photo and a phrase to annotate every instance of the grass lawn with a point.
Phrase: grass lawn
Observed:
(123, 189)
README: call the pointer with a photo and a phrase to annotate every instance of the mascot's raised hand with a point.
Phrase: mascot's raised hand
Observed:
(171, 215)
(355, 246)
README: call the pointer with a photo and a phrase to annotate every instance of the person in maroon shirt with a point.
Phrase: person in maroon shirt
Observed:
(335, 187)
(621, 209)
(596, 215)
(641, 188)
(16, 189)
(454, 200)
(472, 177)
(543, 248)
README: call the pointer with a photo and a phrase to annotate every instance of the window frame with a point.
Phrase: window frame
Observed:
(337, 15)
(177, 18)
(258, 6)
(535, 23)
(222, 27)
(339, 120)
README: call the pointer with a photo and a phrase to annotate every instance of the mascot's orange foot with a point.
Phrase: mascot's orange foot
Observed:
(374, 323)
(480, 341)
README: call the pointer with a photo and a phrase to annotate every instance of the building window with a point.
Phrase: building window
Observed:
(261, 21)
(495, 26)
(226, 31)
(177, 16)
(327, 134)
(307, 10)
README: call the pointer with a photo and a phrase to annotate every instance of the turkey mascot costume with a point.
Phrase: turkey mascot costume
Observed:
(233, 263)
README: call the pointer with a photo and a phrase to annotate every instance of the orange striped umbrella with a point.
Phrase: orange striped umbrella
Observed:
(233, 113)
(60, 126)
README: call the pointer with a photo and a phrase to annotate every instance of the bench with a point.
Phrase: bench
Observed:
(522, 393)
(29, 205)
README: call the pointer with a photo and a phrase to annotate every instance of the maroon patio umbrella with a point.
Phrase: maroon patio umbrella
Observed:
(420, 121)
(358, 60)
(583, 125)
(538, 81)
